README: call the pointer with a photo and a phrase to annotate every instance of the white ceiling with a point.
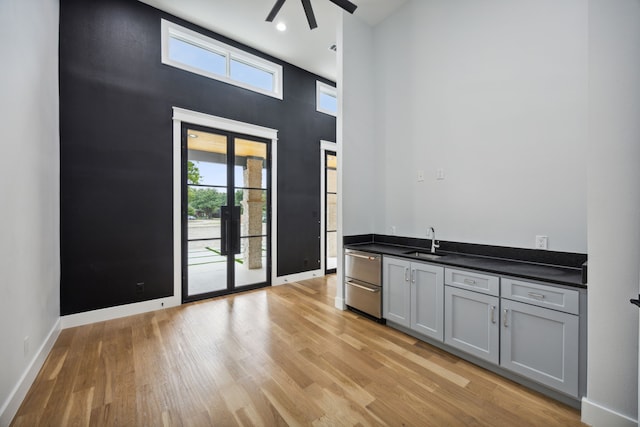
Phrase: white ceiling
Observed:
(244, 21)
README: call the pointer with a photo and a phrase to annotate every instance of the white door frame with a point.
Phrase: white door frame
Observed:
(181, 115)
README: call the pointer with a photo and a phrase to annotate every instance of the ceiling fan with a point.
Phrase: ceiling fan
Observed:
(311, 19)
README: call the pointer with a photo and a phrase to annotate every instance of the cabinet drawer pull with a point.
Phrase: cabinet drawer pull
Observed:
(535, 295)
(406, 274)
(493, 314)
(469, 282)
(413, 276)
(504, 317)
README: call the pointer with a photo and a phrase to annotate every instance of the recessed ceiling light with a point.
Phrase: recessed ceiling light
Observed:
(281, 26)
(193, 135)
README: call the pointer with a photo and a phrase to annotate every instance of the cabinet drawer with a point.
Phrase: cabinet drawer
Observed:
(553, 297)
(471, 280)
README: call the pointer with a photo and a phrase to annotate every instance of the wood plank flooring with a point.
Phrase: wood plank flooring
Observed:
(271, 357)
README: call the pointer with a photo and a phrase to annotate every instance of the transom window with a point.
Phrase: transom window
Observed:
(326, 99)
(194, 52)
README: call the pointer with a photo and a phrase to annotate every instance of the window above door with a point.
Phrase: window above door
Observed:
(194, 52)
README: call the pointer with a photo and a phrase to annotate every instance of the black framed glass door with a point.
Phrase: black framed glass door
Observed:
(226, 212)
(331, 211)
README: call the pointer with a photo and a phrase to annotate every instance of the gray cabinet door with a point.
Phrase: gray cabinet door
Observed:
(541, 344)
(396, 291)
(427, 299)
(471, 323)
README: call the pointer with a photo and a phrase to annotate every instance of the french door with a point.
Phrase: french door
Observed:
(330, 211)
(226, 199)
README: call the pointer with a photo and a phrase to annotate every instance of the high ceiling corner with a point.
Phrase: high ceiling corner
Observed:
(244, 21)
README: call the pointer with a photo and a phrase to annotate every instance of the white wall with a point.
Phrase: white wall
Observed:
(494, 93)
(361, 194)
(614, 212)
(29, 191)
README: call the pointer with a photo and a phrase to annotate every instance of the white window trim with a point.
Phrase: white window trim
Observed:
(170, 30)
(328, 90)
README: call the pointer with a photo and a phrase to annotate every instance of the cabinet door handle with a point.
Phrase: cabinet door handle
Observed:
(493, 314)
(406, 274)
(536, 295)
(413, 276)
(469, 282)
(504, 317)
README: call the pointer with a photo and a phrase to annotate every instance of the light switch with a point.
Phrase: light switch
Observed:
(420, 175)
(440, 174)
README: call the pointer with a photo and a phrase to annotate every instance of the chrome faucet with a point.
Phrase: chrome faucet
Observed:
(434, 245)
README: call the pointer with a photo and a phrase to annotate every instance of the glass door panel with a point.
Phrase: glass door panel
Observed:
(250, 265)
(251, 196)
(331, 212)
(207, 268)
(206, 193)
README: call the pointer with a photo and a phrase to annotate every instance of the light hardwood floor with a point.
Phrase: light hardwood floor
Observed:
(275, 356)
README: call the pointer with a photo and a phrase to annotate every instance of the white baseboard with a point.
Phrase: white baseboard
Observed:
(306, 275)
(116, 312)
(12, 404)
(596, 415)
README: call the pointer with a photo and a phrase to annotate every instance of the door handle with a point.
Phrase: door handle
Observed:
(235, 219)
(406, 274)
(493, 314)
(504, 317)
(224, 230)
(413, 276)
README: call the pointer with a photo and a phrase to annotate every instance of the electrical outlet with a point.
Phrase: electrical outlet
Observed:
(541, 242)
(440, 174)
(140, 287)
(420, 176)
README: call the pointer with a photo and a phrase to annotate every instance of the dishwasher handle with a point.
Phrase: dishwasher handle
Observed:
(363, 287)
(370, 258)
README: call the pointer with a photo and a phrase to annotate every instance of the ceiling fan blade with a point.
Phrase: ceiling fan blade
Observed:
(275, 10)
(309, 12)
(345, 4)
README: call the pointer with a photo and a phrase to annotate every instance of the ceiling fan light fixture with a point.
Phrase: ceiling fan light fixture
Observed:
(281, 26)
(308, 10)
(274, 11)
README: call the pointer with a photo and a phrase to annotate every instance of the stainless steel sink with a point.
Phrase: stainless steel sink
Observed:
(424, 255)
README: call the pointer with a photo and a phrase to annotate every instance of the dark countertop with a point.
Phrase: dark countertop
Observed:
(568, 276)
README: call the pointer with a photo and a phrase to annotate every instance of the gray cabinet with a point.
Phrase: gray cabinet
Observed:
(535, 330)
(396, 290)
(427, 299)
(413, 295)
(537, 342)
(471, 323)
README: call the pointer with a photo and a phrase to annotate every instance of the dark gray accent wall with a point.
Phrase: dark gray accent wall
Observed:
(116, 100)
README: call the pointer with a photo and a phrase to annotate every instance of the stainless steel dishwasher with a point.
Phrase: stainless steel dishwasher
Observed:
(363, 282)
